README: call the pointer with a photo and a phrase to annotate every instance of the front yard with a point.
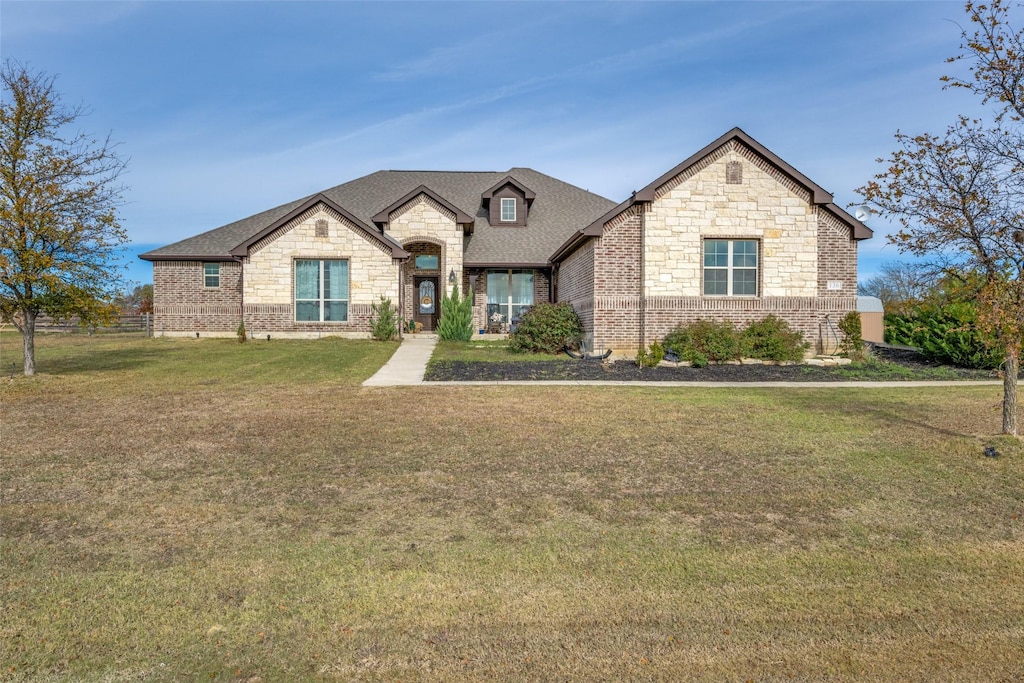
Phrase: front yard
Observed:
(185, 510)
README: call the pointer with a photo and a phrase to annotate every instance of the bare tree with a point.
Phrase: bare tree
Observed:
(59, 195)
(959, 196)
(901, 285)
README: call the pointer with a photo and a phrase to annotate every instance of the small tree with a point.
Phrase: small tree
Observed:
(383, 323)
(852, 345)
(959, 196)
(59, 195)
(456, 321)
(137, 302)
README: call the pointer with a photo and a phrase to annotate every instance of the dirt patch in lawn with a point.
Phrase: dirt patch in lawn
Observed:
(884, 365)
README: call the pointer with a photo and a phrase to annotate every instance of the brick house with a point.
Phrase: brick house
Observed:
(733, 232)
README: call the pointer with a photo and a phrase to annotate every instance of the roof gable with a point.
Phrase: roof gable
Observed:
(319, 199)
(818, 195)
(461, 217)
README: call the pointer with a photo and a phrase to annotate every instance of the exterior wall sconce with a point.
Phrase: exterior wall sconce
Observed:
(451, 277)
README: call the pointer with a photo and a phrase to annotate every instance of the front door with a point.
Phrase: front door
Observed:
(426, 305)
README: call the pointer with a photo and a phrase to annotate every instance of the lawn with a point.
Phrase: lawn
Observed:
(180, 509)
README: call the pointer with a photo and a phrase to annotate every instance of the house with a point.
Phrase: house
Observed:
(733, 232)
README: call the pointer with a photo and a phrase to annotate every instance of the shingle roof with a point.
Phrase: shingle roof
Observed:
(559, 210)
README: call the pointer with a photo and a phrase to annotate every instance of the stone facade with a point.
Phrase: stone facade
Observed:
(269, 283)
(422, 219)
(806, 268)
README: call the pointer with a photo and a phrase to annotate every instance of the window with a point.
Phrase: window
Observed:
(321, 291)
(211, 274)
(508, 209)
(509, 293)
(730, 267)
(426, 262)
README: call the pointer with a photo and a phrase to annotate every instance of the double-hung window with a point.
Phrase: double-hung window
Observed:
(211, 275)
(730, 267)
(508, 209)
(321, 291)
(509, 293)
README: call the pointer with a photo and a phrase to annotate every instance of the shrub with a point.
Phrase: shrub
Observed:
(546, 328)
(852, 345)
(945, 334)
(650, 359)
(705, 340)
(240, 333)
(383, 323)
(456, 323)
(771, 338)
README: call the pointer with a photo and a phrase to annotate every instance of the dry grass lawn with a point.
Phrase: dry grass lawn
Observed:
(181, 510)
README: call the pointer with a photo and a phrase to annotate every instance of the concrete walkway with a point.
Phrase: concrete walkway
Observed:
(407, 365)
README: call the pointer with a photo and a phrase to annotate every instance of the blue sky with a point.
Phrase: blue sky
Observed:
(229, 108)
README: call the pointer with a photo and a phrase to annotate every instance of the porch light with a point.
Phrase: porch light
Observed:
(451, 277)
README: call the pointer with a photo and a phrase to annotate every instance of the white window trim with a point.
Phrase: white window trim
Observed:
(502, 210)
(321, 299)
(207, 276)
(730, 268)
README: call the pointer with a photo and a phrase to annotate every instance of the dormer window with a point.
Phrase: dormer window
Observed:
(508, 209)
(508, 203)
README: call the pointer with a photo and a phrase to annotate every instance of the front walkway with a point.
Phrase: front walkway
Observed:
(407, 365)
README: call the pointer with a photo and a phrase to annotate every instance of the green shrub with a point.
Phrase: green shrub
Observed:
(240, 333)
(383, 323)
(772, 338)
(650, 359)
(945, 334)
(456, 323)
(852, 345)
(705, 340)
(546, 328)
(696, 359)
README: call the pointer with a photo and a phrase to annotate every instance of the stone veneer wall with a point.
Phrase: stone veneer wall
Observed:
(422, 219)
(270, 274)
(699, 204)
(807, 258)
(182, 304)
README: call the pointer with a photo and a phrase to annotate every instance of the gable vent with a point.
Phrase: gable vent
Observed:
(321, 228)
(734, 173)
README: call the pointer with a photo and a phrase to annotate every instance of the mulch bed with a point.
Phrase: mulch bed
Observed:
(913, 367)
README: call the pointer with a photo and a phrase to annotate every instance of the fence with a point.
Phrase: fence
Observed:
(122, 323)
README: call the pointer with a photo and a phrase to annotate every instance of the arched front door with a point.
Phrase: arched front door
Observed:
(426, 302)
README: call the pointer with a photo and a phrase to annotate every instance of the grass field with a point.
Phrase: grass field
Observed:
(181, 510)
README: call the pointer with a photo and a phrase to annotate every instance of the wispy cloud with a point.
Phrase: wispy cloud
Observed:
(21, 18)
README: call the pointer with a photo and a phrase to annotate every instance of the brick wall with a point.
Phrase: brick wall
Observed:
(183, 304)
(576, 283)
(618, 282)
